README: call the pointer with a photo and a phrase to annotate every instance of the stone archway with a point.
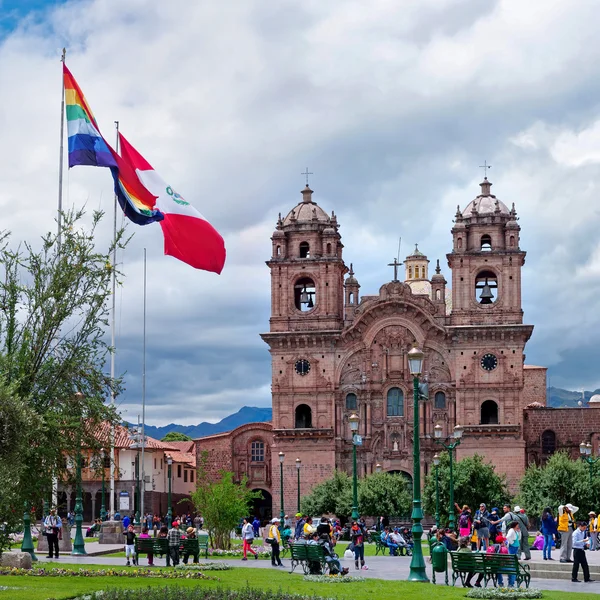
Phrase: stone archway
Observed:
(262, 507)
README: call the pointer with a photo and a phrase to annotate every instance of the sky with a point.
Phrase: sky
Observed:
(392, 105)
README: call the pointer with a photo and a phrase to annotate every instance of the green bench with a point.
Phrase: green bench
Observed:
(304, 554)
(156, 546)
(379, 545)
(490, 565)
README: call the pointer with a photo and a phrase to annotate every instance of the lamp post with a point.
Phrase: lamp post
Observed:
(281, 512)
(103, 506)
(169, 513)
(27, 544)
(456, 435)
(298, 465)
(586, 454)
(377, 468)
(78, 543)
(417, 563)
(354, 420)
(436, 462)
(136, 518)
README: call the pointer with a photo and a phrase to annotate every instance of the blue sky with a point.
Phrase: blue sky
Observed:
(393, 106)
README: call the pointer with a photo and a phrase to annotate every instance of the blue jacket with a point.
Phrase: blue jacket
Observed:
(548, 525)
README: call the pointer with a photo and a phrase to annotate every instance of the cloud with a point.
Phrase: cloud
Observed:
(393, 107)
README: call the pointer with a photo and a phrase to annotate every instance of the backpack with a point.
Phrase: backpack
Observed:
(464, 521)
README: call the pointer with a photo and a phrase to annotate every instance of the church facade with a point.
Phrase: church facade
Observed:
(336, 353)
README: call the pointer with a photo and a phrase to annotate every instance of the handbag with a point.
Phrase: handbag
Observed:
(269, 541)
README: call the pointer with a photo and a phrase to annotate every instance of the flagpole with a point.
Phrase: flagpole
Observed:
(144, 395)
(112, 345)
(62, 146)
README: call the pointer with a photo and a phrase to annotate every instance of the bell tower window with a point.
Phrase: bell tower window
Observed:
(486, 243)
(304, 250)
(303, 417)
(278, 253)
(486, 287)
(410, 272)
(489, 413)
(328, 248)
(305, 295)
(512, 241)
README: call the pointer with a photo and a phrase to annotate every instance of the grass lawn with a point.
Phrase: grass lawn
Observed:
(61, 588)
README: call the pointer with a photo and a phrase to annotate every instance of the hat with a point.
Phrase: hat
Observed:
(500, 539)
(517, 508)
(286, 517)
(274, 520)
(495, 509)
(190, 530)
(298, 515)
(572, 508)
(592, 513)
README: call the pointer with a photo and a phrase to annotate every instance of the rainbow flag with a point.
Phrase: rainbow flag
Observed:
(88, 147)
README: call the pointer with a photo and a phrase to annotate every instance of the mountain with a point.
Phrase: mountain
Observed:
(247, 414)
(559, 398)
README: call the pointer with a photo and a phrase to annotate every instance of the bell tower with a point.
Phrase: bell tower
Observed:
(307, 270)
(486, 263)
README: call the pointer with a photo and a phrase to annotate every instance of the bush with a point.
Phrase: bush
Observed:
(149, 573)
(198, 593)
(207, 566)
(504, 593)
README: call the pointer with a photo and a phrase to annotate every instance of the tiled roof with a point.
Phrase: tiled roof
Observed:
(187, 458)
(183, 446)
(122, 438)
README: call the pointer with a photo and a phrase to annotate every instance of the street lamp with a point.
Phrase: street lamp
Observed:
(103, 506)
(417, 563)
(78, 542)
(282, 513)
(377, 468)
(298, 465)
(586, 454)
(354, 420)
(169, 513)
(436, 463)
(27, 544)
(456, 435)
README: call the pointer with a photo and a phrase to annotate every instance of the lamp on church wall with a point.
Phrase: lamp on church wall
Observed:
(354, 419)
(417, 563)
(282, 512)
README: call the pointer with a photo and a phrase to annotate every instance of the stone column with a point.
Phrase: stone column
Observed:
(93, 506)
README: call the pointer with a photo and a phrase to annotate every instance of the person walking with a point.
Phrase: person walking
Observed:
(275, 538)
(248, 538)
(52, 525)
(593, 529)
(579, 540)
(357, 536)
(130, 545)
(482, 527)
(566, 527)
(513, 541)
(174, 537)
(548, 530)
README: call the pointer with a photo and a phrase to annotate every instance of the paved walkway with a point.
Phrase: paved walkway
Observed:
(380, 567)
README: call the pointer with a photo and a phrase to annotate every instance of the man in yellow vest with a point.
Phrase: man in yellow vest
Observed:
(593, 530)
(566, 526)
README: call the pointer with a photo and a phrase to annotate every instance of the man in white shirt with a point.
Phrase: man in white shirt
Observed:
(52, 525)
(580, 539)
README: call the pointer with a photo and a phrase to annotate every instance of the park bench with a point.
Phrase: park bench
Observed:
(490, 565)
(379, 545)
(156, 546)
(304, 554)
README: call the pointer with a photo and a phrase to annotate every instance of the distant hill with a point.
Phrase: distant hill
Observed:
(247, 414)
(559, 398)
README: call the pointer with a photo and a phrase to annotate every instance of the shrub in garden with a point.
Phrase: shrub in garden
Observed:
(177, 593)
(504, 593)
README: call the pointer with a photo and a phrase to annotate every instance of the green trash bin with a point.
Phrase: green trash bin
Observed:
(439, 560)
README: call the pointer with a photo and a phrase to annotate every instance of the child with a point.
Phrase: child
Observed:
(130, 545)
(144, 534)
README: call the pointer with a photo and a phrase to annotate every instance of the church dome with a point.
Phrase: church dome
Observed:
(595, 399)
(306, 211)
(486, 203)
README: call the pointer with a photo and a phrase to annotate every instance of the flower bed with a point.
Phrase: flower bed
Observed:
(209, 566)
(333, 578)
(152, 573)
(504, 593)
(196, 593)
(262, 551)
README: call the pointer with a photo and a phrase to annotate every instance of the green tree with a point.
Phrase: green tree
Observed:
(176, 436)
(222, 504)
(378, 494)
(559, 481)
(475, 481)
(53, 351)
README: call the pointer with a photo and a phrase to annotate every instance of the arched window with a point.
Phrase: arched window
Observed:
(278, 253)
(395, 402)
(548, 442)
(305, 294)
(459, 243)
(328, 248)
(304, 250)
(257, 451)
(438, 294)
(486, 287)
(351, 401)
(489, 413)
(303, 416)
(512, 241)
(486, 243)
(350, 298)
(410, 272)
(440, 400)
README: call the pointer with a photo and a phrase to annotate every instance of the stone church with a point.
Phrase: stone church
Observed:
(335, 352)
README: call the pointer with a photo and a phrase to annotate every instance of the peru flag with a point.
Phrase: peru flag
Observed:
(188, 235)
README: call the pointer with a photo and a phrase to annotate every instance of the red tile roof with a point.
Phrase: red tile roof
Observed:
(122, 438)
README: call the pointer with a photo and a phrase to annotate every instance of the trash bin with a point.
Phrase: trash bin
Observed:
(439, 560)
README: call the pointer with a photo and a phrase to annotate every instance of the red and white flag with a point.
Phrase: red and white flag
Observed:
(189, 237)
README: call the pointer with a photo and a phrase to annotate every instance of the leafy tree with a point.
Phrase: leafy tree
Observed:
(559, 481)
(475, 481)
(379, 493)
(176, 436)
(222, 504)
(53, 350)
